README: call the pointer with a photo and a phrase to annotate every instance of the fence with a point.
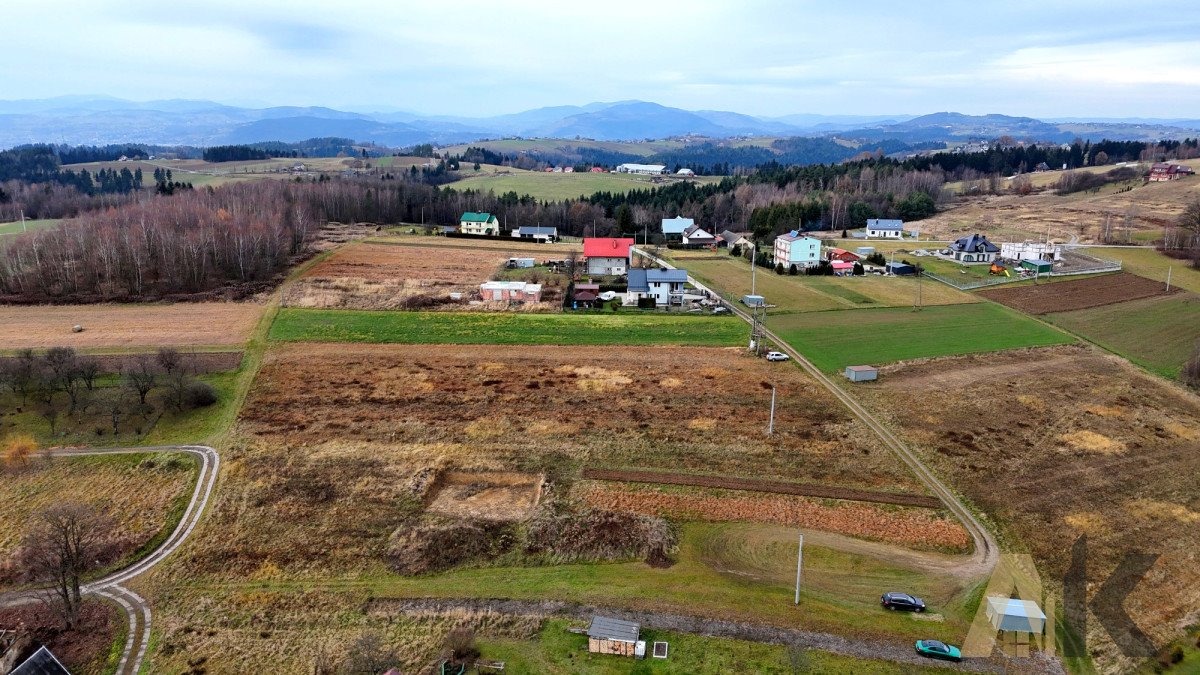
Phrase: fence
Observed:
(1073, 263)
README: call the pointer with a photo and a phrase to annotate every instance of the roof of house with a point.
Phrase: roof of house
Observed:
(698, 232)
(605, 628)
(975, 243)
(842, 265)
(553, 231)
(638, 282)
(861, 369)
(586, 296)
(42, 662)
(793, 236)
(676, 225)
(900, 266)
(640, 279)
(733, 237)
(587, 287)
(884, 224)
(607, 247)
(644, 167)
(472, 217)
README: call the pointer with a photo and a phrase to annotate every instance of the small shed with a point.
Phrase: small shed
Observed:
(1010, 614)
(753, 301)
(862, 373)
(521, 263)
(612, 636)
(1039, 266)
(901, 269)
(864, 250)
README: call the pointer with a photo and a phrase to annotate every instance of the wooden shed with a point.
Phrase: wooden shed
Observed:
(612, 636)
(861, 373)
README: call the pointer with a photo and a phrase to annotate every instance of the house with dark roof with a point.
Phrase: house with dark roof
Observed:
(479, 223)
(730, 239)
(585, 294)
(657, 283)
(882, 228)
(974, 248)
(613, 636)
(698, 236)
(42, 662)
(542, 234)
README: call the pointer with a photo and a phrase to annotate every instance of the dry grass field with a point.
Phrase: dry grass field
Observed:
(400, 276)
(120, 326)
(1058, 443)
(142, 494)
(1073, 294)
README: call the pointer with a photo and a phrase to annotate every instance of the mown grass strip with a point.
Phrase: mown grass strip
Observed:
(307, 325)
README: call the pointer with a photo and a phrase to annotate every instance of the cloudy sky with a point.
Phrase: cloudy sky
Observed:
(1044, 58)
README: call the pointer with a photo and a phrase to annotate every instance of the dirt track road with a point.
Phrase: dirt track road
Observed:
(112, 586)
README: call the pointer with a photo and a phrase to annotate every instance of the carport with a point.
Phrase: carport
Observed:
(1010, 614)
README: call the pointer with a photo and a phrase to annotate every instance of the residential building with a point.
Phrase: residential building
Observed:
(612, 636)
(607, 255)
(542, 234)
(794, 248)
(685, 172)
(880, 228)
(510, 291)
(697, 236)
(675, 227)
(730, 239)
(836, 254)
(479, 224)
(1031, 250)
(974, 248)
(586, 294)
(1165, 171)
(597, 169)
(646, 169)
(657, 283)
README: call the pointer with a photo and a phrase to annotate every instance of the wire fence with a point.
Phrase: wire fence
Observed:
(1074, 263)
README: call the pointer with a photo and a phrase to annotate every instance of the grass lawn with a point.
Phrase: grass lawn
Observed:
(1147, 262)
(813, 294)
(833, 340)
(557, 651)
(626, 328)
(17, 228)
(1159, 334)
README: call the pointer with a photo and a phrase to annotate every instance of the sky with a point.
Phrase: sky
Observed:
(1046, 58)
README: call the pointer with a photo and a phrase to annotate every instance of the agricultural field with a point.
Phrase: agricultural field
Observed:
(1076, 294)
(1158, 333)
(1146, 262)
(622, 328)
(834, 340)
(143, 496)
(560, 186)
(791, 294)
(125, 326)
(18, 227)
(1057, 443)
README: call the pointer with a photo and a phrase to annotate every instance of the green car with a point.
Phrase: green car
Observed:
(938, 650)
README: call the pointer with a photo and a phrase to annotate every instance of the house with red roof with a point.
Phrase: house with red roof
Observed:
(607, 255)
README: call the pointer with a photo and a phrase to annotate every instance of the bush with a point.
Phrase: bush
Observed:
(199, 395)
(598, 534)
(17, 451)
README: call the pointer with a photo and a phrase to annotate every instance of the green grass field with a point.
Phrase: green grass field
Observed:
(813, 294)
(18, 228)
(1146, 262)
(557, 651)
(627, 328)
(558, 186)
(833, 340)
(1159, 334)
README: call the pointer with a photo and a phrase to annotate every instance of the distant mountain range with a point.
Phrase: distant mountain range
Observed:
(99, 120)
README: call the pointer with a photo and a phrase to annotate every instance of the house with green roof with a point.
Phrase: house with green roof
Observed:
(479, 223)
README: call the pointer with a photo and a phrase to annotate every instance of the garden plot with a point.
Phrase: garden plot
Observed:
(1066, 296)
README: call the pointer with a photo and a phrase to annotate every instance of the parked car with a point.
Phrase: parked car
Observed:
(938, 650)
(720, 310)
(777, 356)
(902, 601)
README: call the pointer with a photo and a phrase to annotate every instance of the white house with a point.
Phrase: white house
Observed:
(542, 234)
(647, 169)
(1031, 250)
(657, 283)
(880, 228)
(510, 291)
(675, 226)
(685, 172)
(974, 248)
(607, 255)
(793, 248)
(696, 236)
(479, 223)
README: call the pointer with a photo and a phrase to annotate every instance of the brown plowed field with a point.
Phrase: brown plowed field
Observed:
(1065, 296)
(179, 325)
(758, 485)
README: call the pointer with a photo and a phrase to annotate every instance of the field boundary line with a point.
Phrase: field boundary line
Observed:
(762, 485)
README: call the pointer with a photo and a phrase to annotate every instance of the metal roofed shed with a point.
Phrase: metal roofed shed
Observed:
(613, 636)
(901, 269)
(1039, 266)
(862, 373)
(1010, 614)
(753, 300)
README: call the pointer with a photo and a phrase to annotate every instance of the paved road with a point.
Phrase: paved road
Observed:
(986, 552)
(112, 586)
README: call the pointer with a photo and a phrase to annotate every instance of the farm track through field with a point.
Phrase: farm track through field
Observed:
(759, 485)
(986, 551)
(112, 586)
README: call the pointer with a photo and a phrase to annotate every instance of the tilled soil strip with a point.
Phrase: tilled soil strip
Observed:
(756, 485)
(719, 628)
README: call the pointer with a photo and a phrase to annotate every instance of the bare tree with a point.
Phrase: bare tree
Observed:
(65, 542)
(141, 377)
(89, 370)
(175, 372)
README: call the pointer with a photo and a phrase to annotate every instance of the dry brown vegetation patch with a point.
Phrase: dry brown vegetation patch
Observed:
(486, 495)
(1004, 456)
(178, 325)
(1066, 296)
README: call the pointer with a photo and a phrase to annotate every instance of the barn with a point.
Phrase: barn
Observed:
(612, 636)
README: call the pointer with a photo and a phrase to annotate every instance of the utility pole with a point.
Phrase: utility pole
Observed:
(753, 264)
(1169, 279)
(24, 228)
(771, 424)
(799, 562)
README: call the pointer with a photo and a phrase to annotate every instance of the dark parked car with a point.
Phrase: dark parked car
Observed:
(902, 601)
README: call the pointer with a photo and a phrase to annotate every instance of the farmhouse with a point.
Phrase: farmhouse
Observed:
(586, 294)
(793, 248)
(1165, 171)
(879, 228)
(510, 291)
(597, 169)
(478, 223)
(542, 234)
(974, 248)
(696, 236)
(607, 255)
(676, 226)
(1030, 250)
(730, 239)
(645, 169)
(685, 172)
(657, 283)
(613, 636)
